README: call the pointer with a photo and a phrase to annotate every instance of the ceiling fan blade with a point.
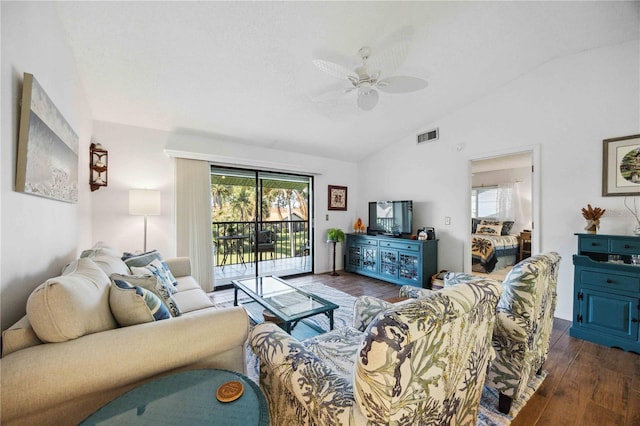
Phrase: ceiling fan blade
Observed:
(367, 99)
(401, 84)
(331, 93)
(333, 69)
(389, 59)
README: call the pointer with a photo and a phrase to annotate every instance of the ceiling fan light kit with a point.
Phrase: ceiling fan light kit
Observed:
(367, 98)
(368, 82)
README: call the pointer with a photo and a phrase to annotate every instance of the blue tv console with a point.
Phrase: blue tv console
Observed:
(396, 260)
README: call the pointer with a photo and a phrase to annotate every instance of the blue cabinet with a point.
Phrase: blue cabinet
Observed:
(396, 260)
(606, 303)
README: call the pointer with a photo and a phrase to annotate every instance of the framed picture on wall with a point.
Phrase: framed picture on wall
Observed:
(47, 163)
(337, 197)
(621, 166)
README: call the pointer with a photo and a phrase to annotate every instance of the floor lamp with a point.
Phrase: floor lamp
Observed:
(144, 202)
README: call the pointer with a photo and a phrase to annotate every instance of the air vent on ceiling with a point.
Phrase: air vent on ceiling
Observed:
(428, 136)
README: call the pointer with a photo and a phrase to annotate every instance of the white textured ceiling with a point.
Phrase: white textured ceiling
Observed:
(242, 71)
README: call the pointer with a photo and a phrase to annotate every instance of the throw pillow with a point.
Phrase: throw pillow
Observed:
(133, 305)
(489, 229)
(71, 305)
(474, 224)
(506, 227)
(156, 269)
(142, 260)
(153, 284)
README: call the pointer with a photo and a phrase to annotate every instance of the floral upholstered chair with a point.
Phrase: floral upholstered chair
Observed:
(419, 362)
(524, 324)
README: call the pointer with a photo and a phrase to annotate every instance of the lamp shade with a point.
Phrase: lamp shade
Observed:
(144, 202)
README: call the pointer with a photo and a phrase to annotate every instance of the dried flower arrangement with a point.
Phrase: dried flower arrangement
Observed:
(593, 216)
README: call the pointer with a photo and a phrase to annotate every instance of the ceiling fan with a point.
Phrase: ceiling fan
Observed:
(368, 78)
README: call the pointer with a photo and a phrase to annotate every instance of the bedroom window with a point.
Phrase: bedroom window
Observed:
(492, 202)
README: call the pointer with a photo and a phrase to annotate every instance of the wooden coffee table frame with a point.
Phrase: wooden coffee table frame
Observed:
(288, 321)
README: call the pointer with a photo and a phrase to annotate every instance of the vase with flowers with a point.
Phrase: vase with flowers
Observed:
(593, 216)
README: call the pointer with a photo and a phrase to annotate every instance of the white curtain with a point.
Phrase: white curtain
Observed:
(193, 218)
(505, 202)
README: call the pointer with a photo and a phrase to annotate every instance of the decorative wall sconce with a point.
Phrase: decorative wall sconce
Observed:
(98, 163)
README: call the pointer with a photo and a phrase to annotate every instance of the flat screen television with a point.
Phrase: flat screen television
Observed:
(390, 217)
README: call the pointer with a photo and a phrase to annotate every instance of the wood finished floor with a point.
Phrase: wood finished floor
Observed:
(587, 384)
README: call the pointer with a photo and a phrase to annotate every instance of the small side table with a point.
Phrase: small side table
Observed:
(525, 245)
(233, 244)
(187, 398)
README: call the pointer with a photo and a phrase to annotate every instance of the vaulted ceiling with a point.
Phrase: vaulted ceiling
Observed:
(243, 71)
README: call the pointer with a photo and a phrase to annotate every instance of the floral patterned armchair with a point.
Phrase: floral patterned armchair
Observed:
(419, 362)
(524, 324)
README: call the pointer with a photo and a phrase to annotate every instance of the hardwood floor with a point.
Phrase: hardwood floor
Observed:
(587, 384)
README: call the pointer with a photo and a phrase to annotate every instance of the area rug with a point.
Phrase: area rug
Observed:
(488, 414)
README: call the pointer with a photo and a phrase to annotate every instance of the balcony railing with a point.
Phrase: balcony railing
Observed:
(291, 239)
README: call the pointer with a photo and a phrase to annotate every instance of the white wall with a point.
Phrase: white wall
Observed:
(136, 161)
(137, 158)
(566, 107)
(39, 236)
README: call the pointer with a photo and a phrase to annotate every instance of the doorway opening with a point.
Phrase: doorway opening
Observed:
(503, 211)
(261, 223)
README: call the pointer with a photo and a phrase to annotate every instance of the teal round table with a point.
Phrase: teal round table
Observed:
(187, 398)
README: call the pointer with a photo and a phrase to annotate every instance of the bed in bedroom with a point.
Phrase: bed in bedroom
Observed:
(492, 246)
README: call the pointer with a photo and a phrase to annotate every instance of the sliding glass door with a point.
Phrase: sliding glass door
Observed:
(261, 223)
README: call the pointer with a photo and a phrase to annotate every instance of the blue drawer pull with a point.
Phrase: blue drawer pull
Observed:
(609, 281)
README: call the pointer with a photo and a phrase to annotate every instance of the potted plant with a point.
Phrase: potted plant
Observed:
(334, 236)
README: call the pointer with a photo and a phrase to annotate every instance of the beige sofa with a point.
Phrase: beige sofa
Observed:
(68, 356)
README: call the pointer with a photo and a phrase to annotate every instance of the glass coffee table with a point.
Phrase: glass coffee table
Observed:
(286, 302)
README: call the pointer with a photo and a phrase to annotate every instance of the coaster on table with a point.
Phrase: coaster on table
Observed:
(229, 391)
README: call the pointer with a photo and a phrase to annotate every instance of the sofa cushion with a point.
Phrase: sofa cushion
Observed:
(192, 300)
(154, 285)
(107, 258)
(133, 305)
(187, 283)
(190, 296)
(111, 265)
(144, 259)
(179, 266)
(19, 336)
(71, 305)
(101, 249)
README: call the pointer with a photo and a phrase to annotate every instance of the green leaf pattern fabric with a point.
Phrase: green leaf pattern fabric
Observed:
(421, 362)
(524, 323)
(415, 292)
(365, 309)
